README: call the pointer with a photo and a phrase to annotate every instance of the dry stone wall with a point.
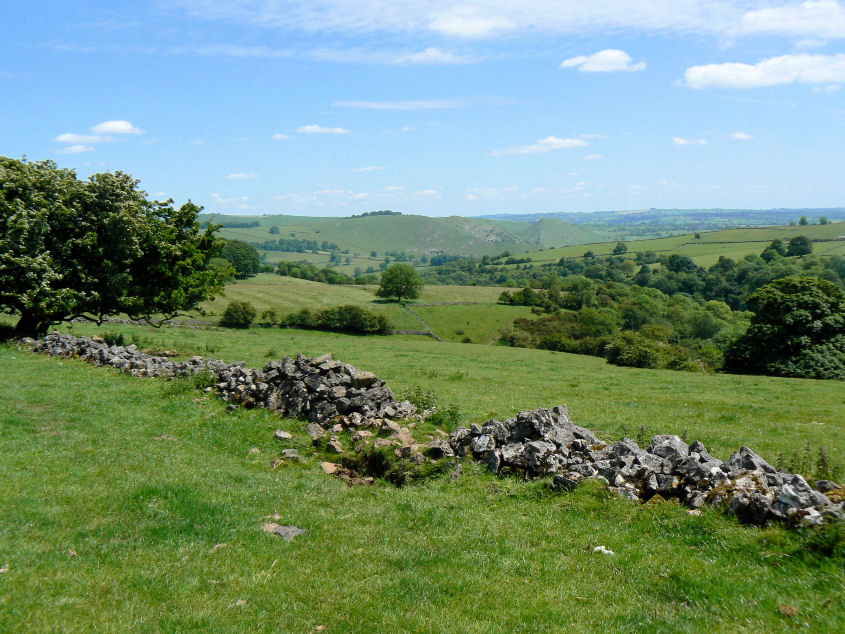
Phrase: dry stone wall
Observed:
(546, 442)
(334, 396)
(320, 390)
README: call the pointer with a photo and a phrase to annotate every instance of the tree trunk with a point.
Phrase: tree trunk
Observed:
(31, 325)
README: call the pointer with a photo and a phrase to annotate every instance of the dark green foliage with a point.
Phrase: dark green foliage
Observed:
(798, 330)
(633, 326)
(349, 319)
(242, 256)
(274, 230)
(800, 245)
(634, 350)
(238, 315)
(306, 271)
(383, 212)
(93, 248)
(241, 225)
(113, 338)
(400, 281)
(620, 248)
(827, 540)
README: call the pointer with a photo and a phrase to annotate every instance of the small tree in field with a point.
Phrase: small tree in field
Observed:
(238, 315)
(400, 281)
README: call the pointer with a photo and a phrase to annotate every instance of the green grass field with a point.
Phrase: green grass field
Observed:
(136, 504)
(480, 317)
(732, 243)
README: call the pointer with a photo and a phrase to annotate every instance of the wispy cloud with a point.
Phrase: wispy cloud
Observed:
(369, 168)
(70, 137)
(281, 137)
(818, 18)
(608, 61)
(741, 136)
(593, 157)
(433, 55)
(433, 104)
(241, 176)
(775, 71)
(75, 149)
(542, 146)
(318, 129)
(493, 18)
(683, 141)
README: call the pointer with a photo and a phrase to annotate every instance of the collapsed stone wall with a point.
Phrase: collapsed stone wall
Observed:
(321, 390)
(546, 442)
(334, 396)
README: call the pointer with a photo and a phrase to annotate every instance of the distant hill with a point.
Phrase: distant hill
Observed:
(410, 234)
(640, 222)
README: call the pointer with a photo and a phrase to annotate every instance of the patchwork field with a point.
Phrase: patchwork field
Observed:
(123, 495)
(732, 243)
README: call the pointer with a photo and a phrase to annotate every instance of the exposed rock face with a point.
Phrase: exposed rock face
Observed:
(546, 442)
(320, 390)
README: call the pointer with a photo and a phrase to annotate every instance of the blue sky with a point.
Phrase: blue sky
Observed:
(334, 107)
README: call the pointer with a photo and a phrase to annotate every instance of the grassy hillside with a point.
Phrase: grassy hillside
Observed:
(123, 495)
(414, 235)
(478, 316)
(732, 243)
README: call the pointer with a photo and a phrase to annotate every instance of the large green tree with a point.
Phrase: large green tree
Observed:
(400, 280)
(242, 256)
(798, 330)
(73, 248)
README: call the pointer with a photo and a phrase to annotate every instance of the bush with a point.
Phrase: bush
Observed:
(632, 349)
(349, 319)
(238, 315)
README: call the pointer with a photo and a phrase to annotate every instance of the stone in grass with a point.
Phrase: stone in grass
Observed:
(291, 454)
(282, 435)
(329, 468)
(286, 532)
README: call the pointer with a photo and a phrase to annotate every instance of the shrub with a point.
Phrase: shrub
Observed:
(634, 350)
(238, 315)
(349, 319)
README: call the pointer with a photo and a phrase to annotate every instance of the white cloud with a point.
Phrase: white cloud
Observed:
(432, 55)
(775, 71)
(741, 136)
(241, 176)
(197, 142)
(281, 137)
(827, 89)
(593, 157)
(70, 137)
(607, 61)
(369, 168)
(119, 126)
(426, 192)
(75, 149)
(816, 18)
(394, 188)
(682, 141)
(469, 21)
(548, 144)
(318, 129)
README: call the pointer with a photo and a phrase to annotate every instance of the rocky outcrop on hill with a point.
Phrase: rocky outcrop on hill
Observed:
(546, 442)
